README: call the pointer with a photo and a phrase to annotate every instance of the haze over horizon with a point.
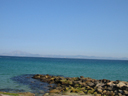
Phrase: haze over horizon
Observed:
(26, 54)
(96, 28)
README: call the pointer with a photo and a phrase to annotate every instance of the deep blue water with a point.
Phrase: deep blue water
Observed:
(14, 68)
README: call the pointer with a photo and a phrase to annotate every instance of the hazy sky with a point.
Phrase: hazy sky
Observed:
(65, 27)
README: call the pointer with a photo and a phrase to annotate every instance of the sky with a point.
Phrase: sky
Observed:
(65, 27)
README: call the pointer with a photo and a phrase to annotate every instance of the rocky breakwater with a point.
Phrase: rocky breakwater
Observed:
(81, 86)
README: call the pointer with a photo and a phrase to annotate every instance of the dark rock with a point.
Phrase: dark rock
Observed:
(110, 93)
(120, 91)
(125, 92)
(42, 78)
(124, 88)
(116, 92)
(36, 76)
(116, 82)
(104, 81)
(84, 85)
(81, 76)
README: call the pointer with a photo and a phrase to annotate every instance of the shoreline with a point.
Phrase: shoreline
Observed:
(83, 86)
(71, 86)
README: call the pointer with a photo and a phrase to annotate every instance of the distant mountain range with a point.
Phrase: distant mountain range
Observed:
(20, 53)
(26, 54)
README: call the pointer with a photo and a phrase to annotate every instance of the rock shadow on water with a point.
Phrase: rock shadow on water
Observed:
(36, 86)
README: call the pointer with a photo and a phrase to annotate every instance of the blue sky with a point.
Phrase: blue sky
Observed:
(65, 27)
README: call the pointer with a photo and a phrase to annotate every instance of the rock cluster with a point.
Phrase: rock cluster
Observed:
(81, 85)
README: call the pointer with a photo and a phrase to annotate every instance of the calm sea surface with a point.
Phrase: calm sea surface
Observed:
(12, 69)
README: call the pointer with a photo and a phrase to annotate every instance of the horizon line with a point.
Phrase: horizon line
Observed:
(63, 57)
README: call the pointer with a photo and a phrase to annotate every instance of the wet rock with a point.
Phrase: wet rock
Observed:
(36, 76)
(42, 78)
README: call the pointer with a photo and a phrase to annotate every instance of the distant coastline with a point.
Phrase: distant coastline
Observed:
(27, 54)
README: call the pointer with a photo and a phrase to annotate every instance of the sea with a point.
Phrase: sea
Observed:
(16, 72)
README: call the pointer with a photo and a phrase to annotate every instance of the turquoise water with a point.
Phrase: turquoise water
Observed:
(97, 69)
